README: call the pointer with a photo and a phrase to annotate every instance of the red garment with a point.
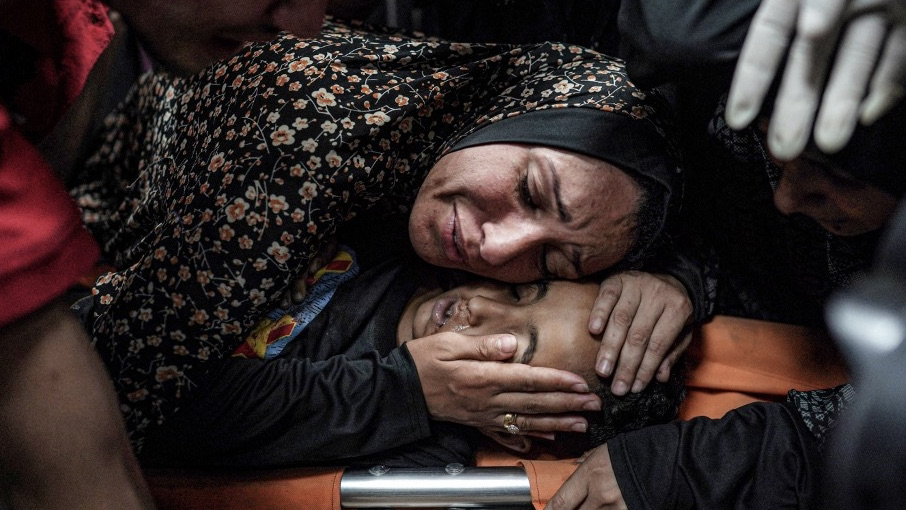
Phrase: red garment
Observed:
(44, 248)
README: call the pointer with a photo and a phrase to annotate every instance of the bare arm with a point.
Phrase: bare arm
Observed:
(63, 443)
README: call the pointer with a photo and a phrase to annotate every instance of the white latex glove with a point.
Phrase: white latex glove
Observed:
(871, 56)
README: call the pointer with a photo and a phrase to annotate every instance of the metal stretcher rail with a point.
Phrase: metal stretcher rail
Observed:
(455, 486)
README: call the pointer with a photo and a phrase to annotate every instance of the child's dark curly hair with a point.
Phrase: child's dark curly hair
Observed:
(657, 403)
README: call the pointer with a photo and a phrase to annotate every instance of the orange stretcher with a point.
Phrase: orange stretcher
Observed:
(735, 362)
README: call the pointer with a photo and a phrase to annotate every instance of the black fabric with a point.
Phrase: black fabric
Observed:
(760, 456)
(690, 41)
(876, 154)
(590, 23)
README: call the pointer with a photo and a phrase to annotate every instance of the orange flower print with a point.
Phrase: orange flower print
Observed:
(333, 160)
(279, 252)
(278, 203)
(376, 118)
(236, 210)
(216, 161)
(329, 127)
(283, 136)
(300, 64)
(563, 86)
(199, 317)
(323, 97)
(167, 373)
(226, 233)
(310, 145)
(137, 395)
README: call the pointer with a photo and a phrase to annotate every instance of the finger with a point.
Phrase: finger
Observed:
(519, 379)
(853, 65)
(817, 18)
(539, 403)
(571, 494)
(514, 376)
(327, 252)
(299, 290)
(482, 348)
(608, 295)
(888, 84)
(545, 425)
(637, 338)
(665, 335)
(797, 99)
(759, 60)
(663, 372)
(509, 377)
(621, 320)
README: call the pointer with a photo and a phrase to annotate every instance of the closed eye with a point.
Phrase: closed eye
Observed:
(532, 291)
(525, 194)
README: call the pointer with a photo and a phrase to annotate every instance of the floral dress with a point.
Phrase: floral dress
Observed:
(211, 194)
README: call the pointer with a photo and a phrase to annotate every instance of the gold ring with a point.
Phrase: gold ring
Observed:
(509, 423)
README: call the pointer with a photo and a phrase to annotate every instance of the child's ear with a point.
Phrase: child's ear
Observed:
(515, 442)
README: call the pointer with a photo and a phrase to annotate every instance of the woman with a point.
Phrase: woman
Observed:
(234, 178)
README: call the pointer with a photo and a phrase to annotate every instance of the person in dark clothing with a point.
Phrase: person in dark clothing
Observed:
(311, 385)
(773, 267)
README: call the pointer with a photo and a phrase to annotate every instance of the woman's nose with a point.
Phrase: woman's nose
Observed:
(504, 241)
(797, 195)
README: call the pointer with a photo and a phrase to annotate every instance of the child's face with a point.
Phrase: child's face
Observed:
(549, 320)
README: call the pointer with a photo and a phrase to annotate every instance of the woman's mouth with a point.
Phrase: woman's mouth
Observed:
(452, 244)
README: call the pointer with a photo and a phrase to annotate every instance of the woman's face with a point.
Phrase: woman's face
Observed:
(548, 319)
(842, 205)
(519, 213)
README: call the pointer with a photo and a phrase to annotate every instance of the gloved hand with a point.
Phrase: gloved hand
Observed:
(871, 56)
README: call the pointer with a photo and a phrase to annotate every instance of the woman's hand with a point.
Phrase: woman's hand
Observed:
(592, 485)
(465, 380)
(641, 316)
(298, 289)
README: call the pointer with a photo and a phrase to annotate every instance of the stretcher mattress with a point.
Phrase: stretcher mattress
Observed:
(735, 362)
